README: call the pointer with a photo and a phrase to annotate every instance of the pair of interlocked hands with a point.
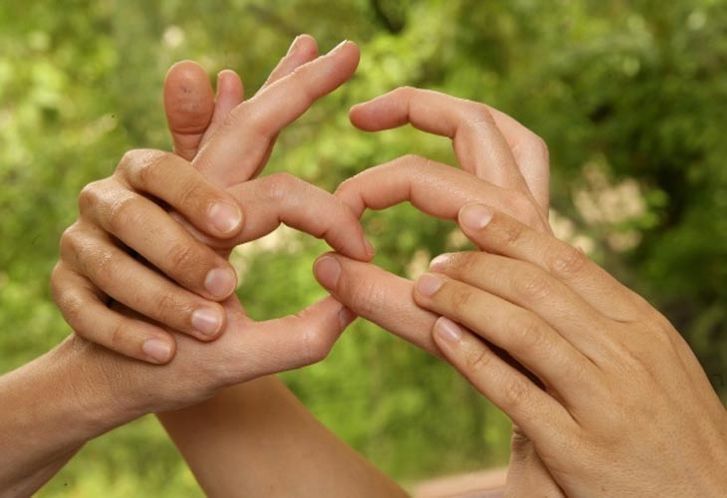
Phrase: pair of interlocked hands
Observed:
(601, 382)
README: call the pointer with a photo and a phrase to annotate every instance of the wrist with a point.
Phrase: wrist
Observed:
(51, 407)
(95, 390)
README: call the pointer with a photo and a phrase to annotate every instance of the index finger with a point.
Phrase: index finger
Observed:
(236, 150)
(500, 234)
(488, 143)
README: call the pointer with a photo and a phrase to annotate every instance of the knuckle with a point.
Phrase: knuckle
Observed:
(515, 393)
(193, 194)
(567, 262)
(526, 333)
(181, 257)
(100, 266)
(56, 280)
(511, 233)
(170, 305)
(477, 362)
(69, 240)
(405, 92)
(136, 158)
(317, 346)
(89, 196)
(532, 286)
(478, 114)
(348, 186)
(116, 336)
(123, 213)
(460, 298)
(466, 263)
(71, 307)
(130, 158)
(148, 172)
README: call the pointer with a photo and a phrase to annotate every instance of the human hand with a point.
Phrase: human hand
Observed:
(268, 201)
(626, 410)
(490, 147)
(504, 163)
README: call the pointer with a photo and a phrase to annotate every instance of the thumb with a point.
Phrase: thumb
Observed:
(189, 104)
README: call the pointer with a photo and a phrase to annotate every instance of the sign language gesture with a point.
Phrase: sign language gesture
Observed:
(626, 410)
(216, 197)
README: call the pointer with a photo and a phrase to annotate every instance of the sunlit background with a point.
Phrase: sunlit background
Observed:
(630, 96)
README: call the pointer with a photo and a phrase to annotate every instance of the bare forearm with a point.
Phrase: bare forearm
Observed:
(51, 407)
(257, 439)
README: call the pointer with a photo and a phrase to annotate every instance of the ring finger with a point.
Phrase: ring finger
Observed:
(129, 282)
(132, 218)
(521, 333)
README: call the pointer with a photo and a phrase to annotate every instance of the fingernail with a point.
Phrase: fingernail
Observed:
(369, 247)
(328, 270)
(157, 350)
(220, 282)
(225, 217)
(448, 330)
(475, 216)
(440, 261)
(293, 45)
(207, 321)
(338, 47)
(345, 317)
(428, 284)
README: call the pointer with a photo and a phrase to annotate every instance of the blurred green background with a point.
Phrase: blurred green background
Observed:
(630, 97)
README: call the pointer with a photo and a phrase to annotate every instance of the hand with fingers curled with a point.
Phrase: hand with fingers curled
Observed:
(605, 396)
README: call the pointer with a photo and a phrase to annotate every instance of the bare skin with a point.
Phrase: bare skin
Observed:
(102, 389)
(627, 409)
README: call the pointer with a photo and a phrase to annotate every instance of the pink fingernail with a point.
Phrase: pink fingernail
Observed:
(440, 261)
(207, 321)
(220, 282)
(447, 330)
(369, 247)
(328, 271)
(225, 217)
(429, 284)
(475, 216)
(157, 350)
(338, 47)
(294, 45)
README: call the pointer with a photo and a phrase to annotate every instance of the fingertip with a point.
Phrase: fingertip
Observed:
(376, 114)
(440, 262)
(229, 85)
(474, 216)
(428, 284)
(304, 46)
(187, 81)
(446, 332)
(369, 249)
(220, 283)
(350, 54)
(188, 104)
(184, 69)
(357, 115)
(226, 218)
(327, 270)
(157, 350)
(208, 321)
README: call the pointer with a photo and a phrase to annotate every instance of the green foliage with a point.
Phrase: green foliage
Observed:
(627, 94)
